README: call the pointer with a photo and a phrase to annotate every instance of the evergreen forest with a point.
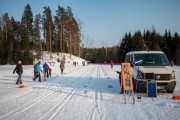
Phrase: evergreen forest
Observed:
(26, 39)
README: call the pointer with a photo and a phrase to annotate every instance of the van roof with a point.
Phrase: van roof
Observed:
(135, 52)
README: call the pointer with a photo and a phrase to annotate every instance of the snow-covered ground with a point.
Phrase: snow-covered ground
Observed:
(81, 93)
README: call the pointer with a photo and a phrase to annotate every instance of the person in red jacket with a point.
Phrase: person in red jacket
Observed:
(111, 63)
(49, 69)
(19, 70)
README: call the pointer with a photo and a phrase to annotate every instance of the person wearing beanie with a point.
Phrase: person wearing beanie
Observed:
(19, 70)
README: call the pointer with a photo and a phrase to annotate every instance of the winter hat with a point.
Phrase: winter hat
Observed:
(19, 62)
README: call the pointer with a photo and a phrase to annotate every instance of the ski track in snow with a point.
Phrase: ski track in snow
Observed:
(88, 87)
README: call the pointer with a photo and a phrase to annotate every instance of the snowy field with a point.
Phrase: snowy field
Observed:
(82, 93)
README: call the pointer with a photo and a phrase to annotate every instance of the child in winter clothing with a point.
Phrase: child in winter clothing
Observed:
(19, 70)
(49, 69)
(45, 68)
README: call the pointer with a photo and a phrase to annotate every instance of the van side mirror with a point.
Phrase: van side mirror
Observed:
(132, 65)
(171, 63)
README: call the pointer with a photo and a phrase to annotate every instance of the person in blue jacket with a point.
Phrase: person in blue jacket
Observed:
(37, 71)
(45, 68)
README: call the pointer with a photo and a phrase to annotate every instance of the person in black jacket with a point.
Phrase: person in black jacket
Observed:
(122, 89)
(19, 70)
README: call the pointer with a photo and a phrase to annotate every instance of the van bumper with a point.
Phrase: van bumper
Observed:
(166, 85)
(161, 85)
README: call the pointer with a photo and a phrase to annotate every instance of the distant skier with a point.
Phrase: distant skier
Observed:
(19, 70)
(75, 63)
(38, 70)
(62, 66)
(111, 63)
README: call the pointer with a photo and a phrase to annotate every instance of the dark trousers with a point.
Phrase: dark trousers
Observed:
(62, 71)
(46, 73)
(37, 75)
(50, 73)
(19, 81)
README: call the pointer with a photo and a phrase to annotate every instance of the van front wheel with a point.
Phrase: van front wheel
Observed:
(169, 91)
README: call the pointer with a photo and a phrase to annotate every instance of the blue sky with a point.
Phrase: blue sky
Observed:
(106, 21)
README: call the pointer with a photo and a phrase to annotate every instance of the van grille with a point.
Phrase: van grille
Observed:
(162, 76)
(149, 75)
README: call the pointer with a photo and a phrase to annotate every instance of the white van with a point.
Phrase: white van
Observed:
(151, 66)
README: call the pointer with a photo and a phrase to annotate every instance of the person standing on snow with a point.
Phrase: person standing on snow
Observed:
(49, 69)
(34, 66)
(62, 66)
(19, 70)
(38, 70)
(45, 68)
(111, 63)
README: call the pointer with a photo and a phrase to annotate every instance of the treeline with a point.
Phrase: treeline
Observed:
(19, 40)
(101, 55)
(151, 40)
(148, 40)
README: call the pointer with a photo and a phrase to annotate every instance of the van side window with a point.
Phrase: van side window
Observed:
(132, 58)
(127, 59)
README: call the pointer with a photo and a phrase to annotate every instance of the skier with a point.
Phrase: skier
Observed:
(38, 70)
(111, 63)
(19, 70)
(45, 68)
(62, 66)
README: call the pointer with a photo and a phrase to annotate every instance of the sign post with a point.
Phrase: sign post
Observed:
(126, 80)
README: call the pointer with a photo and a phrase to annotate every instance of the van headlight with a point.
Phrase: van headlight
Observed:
(173, 75)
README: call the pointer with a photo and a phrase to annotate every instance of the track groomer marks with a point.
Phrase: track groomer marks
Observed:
(126, 80)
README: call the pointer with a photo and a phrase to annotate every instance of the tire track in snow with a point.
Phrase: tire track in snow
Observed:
(98, 98)
(20, 110)
(54, 111)
(13, 97)
(17, 112)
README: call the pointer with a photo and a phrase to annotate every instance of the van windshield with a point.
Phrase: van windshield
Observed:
(154, 59)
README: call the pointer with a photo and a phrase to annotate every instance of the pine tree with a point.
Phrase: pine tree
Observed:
(37, 35)
(48, 29)
(26, 34)
(137, 41)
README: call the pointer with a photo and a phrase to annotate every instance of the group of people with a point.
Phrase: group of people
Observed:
(37, 71)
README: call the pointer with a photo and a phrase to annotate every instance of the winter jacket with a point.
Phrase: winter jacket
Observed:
(18, 69)
(45, 66)
(38, 68)
(62, 65)
(111, 63)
